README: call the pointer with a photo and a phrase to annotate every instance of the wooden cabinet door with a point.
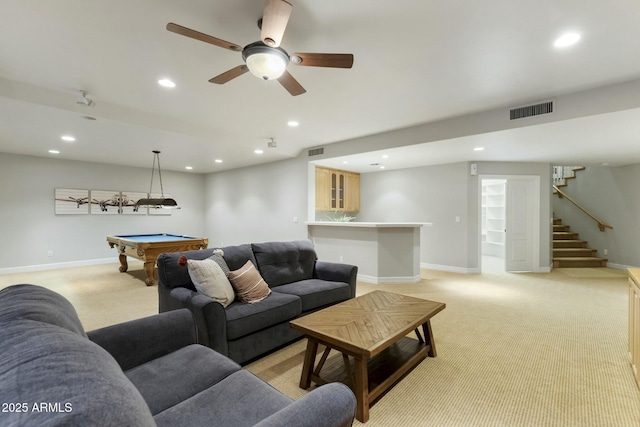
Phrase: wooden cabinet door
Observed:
(323, 189)
(352, 192)
(337, 190)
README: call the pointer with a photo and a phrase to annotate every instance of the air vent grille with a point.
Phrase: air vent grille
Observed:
(531, 110)
(316, 151)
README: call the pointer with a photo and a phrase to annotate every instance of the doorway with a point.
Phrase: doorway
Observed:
(510, 223)
(493, 227)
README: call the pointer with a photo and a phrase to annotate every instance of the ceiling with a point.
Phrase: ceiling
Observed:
(416, 62)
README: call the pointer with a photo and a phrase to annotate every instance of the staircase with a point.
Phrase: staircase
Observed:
(569, 251)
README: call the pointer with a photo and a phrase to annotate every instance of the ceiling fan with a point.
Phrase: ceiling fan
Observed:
(265, 58)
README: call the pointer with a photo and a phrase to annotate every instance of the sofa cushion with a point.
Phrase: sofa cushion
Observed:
(39, 304)
(249, 284)
(244, 319)
(168, 380)
(209, 279)
(285, 262)
(43, 363)
(237, 256)
(239, 400)
(316, 293)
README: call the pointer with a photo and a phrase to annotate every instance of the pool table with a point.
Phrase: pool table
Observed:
(147, 247)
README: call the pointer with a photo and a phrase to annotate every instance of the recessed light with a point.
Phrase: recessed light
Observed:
(54, 152)
(478, 149)
(385, 156)
(382, 167)
(188, 168)
(567, 39)
(293, 123)
(67, 138)
(258, 151)
(166, 83)
(218, 160)
(345, 162)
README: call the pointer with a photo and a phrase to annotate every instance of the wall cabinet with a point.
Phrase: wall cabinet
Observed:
(634, 321)
(337, 190)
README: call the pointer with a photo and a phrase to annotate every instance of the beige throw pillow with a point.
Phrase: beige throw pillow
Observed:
(249, 285)
(209, 279)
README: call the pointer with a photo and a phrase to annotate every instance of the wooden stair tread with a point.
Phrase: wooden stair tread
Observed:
(564, 235)
(569, 243)
(570, 252)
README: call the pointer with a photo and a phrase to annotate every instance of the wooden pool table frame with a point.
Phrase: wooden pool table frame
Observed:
(148, 252)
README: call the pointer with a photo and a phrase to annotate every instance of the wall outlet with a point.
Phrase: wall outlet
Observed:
(49, 253)
(341, 258)
(457, 219)
(295, 219)
(606, 252)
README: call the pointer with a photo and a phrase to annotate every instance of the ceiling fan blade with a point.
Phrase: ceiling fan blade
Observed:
(229, 75)
(290, 84)
(274, 21)
(184, 31)
(334, 60)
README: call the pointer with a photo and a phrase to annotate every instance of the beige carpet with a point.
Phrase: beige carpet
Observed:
(513, 349)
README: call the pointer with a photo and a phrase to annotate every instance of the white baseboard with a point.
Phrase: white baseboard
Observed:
(57, 265)
(383, 280)
(472, 270)
(449, 268)
(544, 269)
(620, 266)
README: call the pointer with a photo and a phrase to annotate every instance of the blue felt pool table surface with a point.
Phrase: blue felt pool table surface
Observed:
(152, 238)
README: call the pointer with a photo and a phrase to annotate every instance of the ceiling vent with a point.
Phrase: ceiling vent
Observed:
(545, 107)
(316, 151)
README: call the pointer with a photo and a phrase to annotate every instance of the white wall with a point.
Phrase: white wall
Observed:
(30, 227)
(611, 194)
(430, 194)
(244, 205)
(439, 194)
(257, 204)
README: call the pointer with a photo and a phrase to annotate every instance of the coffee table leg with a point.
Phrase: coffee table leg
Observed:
(428, 337)
(361, 389)
(309, 361)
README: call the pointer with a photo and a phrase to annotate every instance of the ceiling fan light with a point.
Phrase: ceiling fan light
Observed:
(266, 66)
(265, 62)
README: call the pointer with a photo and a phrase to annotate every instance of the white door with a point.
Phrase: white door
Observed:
(520, 215)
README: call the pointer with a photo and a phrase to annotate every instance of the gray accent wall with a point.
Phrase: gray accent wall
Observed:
(439, 196)
(257, 204)
(434, 195)
(612, 195)
(30, 227)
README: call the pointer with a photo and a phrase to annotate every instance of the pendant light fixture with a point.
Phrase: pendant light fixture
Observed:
(157, 203)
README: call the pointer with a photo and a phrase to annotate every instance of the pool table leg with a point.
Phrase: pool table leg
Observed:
(149, 268)
(123, 263)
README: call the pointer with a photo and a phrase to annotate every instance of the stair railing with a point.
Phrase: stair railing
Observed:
(601, 225)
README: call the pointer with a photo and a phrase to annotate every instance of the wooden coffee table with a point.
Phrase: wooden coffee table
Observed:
(372, 329)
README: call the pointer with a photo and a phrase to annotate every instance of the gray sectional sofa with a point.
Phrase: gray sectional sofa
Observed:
(145, 372)
(300, 284)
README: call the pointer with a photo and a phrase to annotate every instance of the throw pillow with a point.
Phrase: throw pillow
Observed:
(217, 256)
(249, 285)
(210, 280)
